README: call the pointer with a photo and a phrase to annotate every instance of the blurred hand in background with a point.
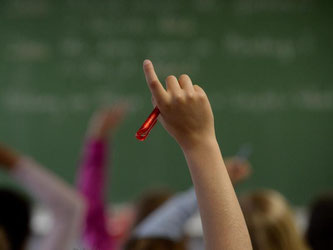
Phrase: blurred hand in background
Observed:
(238, 169)
(105, 121)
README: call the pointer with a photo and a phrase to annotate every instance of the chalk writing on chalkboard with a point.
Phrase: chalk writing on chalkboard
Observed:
(284, 49)
(257, 102)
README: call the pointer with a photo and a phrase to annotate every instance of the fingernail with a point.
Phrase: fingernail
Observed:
(146, 62)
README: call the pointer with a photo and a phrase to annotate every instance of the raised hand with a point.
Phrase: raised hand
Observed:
(105, 121)
(8, 158)
(238, 169)
(187, 116)
(185, 109)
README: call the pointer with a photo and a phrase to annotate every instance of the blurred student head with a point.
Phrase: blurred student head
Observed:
(320, 231)
(270, 221)
(148, 202)
(14, 219)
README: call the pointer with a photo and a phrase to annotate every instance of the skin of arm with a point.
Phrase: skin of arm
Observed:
(8, 158)
(187, 115)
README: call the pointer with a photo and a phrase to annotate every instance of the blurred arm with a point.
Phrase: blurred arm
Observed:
(66, 205)
(92, 175)
(91, 184)
(8, 158)
(168, 221)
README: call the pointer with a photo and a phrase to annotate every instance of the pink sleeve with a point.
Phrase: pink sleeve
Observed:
(91, 184)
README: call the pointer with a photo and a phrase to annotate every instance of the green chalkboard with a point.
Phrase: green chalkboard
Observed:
(266, 65)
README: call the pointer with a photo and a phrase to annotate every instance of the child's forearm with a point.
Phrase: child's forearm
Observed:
(223, 223)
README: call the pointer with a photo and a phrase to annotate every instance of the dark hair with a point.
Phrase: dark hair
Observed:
(149, 202)
(14, 217)
(146, 204)
(319, 233)
(155, 244)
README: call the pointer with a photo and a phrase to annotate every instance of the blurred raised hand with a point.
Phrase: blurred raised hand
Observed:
(8, 158)
(238, 169)
(105, 121)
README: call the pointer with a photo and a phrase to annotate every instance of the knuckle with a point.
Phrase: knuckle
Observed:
(179, 98)
(153, 84)
(165, 106)
(191, 96)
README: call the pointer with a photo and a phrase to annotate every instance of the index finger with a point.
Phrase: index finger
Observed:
(156, 88)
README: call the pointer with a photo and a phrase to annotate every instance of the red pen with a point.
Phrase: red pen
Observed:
(144, 130)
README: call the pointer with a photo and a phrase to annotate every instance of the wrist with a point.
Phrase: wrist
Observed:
(202, 144)
(99, 135)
